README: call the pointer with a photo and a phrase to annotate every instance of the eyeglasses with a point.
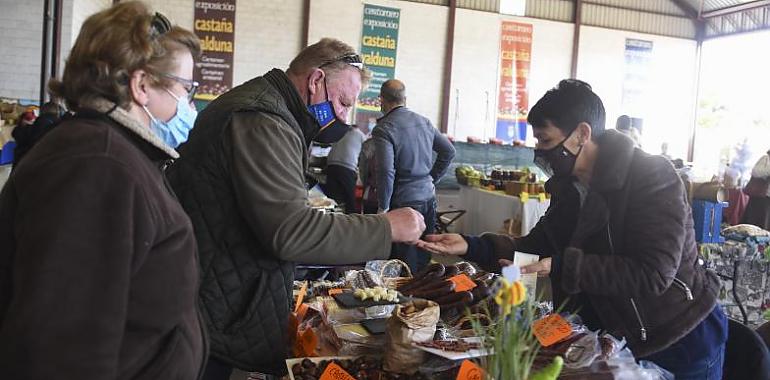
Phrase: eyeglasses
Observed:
(190, 86)
(351, 59)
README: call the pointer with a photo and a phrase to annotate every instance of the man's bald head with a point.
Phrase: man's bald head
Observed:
(393, 94)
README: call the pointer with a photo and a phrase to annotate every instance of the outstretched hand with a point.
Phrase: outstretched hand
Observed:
(444, 244)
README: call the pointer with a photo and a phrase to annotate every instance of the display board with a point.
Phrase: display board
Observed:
(214, 24)
(379, 45)
(513, 95)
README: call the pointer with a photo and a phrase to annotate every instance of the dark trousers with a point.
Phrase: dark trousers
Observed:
(341, 186)
(688, 360)
(757, 212)
(414, 257)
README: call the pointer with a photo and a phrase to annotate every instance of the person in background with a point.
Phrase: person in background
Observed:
(98, 270)
(757, 211)
(241, 179)
(26, 137)
(664, 151)
(617, 240)
(406, 171)
(624, 125)
(367, 172)
(342, 169)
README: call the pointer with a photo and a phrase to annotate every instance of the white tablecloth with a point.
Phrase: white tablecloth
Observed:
(487, 210)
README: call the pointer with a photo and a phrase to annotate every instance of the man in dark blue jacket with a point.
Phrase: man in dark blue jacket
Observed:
(406, 171)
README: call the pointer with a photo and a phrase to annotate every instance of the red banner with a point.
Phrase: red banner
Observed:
(512, 102)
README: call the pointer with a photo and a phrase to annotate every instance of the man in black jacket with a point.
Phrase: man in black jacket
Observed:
(241, 179)
(618, 239)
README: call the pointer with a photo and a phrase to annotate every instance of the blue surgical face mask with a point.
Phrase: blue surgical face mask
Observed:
(175, 131)
(331, 128)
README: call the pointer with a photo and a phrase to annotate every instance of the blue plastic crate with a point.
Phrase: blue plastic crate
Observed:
(708, 220)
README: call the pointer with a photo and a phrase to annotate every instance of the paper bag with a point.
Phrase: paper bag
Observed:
(411, 322)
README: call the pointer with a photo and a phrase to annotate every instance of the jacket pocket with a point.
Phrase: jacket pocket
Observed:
(158, 366)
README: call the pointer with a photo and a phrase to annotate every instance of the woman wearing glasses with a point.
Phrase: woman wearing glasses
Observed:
(98, 270)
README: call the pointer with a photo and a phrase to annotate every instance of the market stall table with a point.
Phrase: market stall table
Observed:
(487, 211)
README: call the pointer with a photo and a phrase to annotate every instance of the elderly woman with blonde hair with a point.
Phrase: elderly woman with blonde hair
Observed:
(98, 270)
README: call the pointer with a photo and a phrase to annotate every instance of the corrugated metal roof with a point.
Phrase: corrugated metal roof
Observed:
(480, 5)
(434, 2)
(558, 10)
(644, 22)
(654, 6)
(712, 5)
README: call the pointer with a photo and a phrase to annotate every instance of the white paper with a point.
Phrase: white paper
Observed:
(529, 280)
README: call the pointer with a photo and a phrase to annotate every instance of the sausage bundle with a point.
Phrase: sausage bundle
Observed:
(433, 283)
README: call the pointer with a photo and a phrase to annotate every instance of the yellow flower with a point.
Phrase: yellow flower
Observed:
(510, 295)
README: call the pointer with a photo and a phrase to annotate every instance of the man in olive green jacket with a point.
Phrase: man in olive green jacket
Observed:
(241, 180)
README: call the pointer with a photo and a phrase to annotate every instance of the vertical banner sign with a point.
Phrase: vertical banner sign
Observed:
(215, 26)
(379, 43)
(513, 102)
(638, 55)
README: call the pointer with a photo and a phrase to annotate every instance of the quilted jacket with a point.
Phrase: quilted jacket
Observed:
(241, 179)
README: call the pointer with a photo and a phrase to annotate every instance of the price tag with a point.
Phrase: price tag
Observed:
(300, 296)
(335, 372)
(462, 282)
(470, 371)
(541, 196)
(524, 196)
(551, 329)
(302, 311)
(335, 291)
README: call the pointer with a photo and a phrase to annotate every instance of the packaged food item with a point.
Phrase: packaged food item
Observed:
(412, 322)
(376, 294)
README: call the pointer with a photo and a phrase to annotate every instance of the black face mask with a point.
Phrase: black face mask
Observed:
(557, 161)
(331, 129)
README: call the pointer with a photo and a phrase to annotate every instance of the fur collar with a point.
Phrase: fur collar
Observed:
(122, 117)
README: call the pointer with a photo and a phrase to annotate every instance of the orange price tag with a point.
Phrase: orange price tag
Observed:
(462, 282)
(300, 296)
(334, 291)
(551, 329)
(335, 372)
(302, 311)
(470, 371)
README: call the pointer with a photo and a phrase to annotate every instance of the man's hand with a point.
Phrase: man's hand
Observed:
(444, 244)
(406, 225)
(542, 267)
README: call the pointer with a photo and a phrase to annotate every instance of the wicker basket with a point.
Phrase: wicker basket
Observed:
(395, 282)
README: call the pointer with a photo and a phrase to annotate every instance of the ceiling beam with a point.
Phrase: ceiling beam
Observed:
(684, 7)
(736, 8)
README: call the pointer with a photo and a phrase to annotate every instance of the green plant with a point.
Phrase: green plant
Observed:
(509, 336)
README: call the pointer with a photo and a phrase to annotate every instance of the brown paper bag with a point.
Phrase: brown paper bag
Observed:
(411, 322)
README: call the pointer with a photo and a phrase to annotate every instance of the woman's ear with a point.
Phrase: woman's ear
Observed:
(138, 84)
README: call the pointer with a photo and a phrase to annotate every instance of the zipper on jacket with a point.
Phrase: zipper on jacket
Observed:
(166, 164)
(642, 329)
(685, 288)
